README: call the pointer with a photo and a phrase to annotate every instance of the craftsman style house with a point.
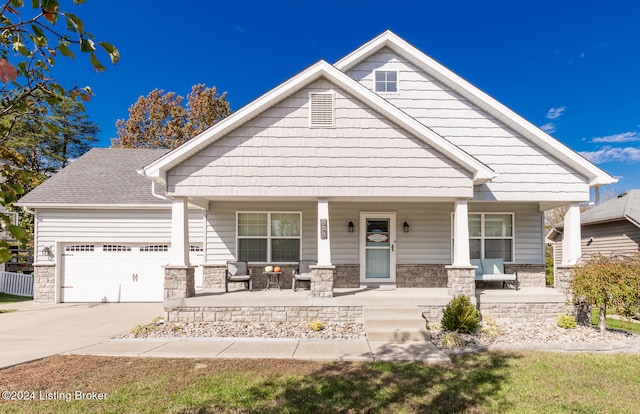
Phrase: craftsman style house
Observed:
(385, 168)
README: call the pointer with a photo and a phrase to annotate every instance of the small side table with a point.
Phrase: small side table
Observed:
(269, 275)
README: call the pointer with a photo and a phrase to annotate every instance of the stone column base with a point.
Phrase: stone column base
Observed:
(44, 283)
(563, 277)
(461, 280)
(179, 282)
(213, 276)
(322, 281)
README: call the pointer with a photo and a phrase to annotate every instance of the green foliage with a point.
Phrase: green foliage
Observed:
(452, 340)
(491, 328)
(566, 321)
(315, 326)
(608, 283)
(33, 38)
(548, 265)
(160, 120)
(460, 315)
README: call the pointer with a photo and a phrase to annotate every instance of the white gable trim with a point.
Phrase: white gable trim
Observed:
(158, 169)
(596, 176)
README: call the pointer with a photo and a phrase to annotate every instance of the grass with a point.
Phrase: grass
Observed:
(475, 383)
(6, 298)
(615, 323)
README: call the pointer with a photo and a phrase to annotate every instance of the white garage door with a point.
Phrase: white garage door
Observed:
(115, 272)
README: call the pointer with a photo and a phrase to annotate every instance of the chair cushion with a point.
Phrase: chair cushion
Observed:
(492, 266)
(303, 276)
(237, 269)
(478, 263)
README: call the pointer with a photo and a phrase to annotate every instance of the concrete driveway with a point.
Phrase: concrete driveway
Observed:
(38, 331)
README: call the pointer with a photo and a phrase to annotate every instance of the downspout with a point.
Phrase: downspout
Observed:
(153, 192)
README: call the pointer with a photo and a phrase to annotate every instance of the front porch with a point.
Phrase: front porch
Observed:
(529, 304)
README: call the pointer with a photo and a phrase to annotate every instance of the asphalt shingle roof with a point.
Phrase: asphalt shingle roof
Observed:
(626, 205)
(102, 176)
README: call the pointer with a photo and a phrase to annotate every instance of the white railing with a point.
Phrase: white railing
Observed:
(16, 284)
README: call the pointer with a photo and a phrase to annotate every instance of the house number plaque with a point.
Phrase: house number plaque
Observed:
(324, 233)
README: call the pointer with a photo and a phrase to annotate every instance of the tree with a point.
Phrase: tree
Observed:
(52, 135)
(159, 120)
(608, 283)
(29, 47)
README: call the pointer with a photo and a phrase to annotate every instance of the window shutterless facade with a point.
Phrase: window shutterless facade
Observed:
(491, 236)
(269, 236)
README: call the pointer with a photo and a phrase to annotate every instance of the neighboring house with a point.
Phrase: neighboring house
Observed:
(611, 228)
(385, 167)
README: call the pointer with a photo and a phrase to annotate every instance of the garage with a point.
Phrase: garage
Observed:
(112, 272)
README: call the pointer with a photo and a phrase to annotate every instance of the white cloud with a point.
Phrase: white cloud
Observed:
(612, 154)
(555, 113)
(617, 138)
(549, 128)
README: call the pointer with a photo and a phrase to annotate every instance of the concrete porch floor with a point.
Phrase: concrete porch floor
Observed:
(383, 296)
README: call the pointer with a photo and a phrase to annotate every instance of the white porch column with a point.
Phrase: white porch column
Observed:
(324, 238)
(179, 253)
(572, 235)
(461, 255)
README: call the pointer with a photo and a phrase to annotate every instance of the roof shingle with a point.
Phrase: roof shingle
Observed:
(102, 176)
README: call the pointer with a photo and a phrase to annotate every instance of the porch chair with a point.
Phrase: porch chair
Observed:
(302, 273)
(237, 272)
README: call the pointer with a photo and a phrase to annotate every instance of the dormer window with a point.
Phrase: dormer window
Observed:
(386, 80)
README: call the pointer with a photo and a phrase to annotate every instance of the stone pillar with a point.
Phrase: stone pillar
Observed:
(562, 278)
(322, 281)
(571, 236)
(44, 283)
(179, 282)
(462, 281)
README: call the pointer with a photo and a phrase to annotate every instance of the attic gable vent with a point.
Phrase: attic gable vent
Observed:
(321, 110)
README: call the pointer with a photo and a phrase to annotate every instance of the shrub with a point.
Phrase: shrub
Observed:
(460, 315)
(452, 340)
(566, 321)
(316, 326)
(491, 328)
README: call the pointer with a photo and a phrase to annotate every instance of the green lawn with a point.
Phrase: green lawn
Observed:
(526, 382)
(615, 323)
(5, 298)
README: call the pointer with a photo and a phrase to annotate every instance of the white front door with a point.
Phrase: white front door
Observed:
(377, 248)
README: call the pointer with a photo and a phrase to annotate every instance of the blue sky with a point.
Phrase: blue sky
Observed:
(569, 67)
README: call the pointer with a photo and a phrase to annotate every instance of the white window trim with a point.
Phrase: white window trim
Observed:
(397, 91)
(333, 110)
(268, 236)
(482, 237)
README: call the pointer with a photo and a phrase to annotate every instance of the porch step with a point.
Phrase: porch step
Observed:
(395, 324)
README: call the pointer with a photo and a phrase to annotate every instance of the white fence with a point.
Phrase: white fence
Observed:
(16, 284)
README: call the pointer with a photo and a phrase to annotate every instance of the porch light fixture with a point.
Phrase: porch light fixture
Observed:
(405, 227)
(350, 227)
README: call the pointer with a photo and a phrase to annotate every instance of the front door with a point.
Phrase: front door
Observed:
(377, 248)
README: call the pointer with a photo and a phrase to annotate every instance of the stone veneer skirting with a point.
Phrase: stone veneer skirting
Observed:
(524, 312)
(348, 276)
(248, 314)
(44, 283)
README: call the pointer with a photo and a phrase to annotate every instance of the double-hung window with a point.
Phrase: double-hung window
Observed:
(269, 236)
(491, 236)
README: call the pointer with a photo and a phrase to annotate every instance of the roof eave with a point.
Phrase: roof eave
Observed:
(93, 206)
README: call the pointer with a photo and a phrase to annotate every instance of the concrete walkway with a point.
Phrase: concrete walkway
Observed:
(343, 350)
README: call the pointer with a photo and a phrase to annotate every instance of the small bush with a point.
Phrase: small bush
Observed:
(316, 326)
(452, 340)
(491, 328)
(566, 321)
(460, 315)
